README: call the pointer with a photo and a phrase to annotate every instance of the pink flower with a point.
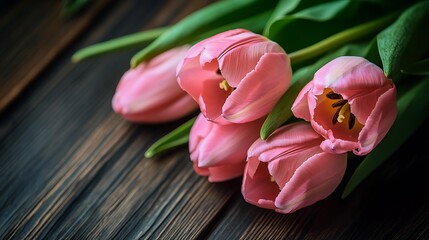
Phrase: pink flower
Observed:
(236, 76)
(289, 171)
(219, 151)
(150, 93)
(350, 103)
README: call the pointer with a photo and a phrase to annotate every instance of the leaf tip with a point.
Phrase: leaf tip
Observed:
(346, 193)
(75, 59)
(134, 62)
(264, 135)
(149, 154)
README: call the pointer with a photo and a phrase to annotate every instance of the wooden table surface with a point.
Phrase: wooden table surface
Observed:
(71, 168)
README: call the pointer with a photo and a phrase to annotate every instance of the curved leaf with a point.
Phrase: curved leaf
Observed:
(285, 7)
(404, 41)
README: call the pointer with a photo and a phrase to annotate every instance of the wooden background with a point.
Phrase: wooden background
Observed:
(71, 168)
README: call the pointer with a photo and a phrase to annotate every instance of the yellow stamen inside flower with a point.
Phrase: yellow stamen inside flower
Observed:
(224, 85)
(272, 179)
(345, 109)
(339, 108)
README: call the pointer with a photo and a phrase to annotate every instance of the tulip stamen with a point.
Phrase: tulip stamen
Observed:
(352, 121)
(339, 103)
(332, 95)
(224, 85)
(343, 110)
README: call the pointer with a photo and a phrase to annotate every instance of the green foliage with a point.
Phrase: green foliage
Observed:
(298, 24)
(405, 41)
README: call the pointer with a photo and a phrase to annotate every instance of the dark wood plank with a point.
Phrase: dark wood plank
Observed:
(35, 33)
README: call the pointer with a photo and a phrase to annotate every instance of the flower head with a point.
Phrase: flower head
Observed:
(219, 151)
(149, 93)
(236, 76)
(290, 171)
(351, 103)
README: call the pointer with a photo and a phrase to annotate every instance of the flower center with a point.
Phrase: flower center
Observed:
(342, 107)
(224, 85)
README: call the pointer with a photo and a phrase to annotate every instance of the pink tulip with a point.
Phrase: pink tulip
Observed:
(350, 103)
(289, 171)
(236, 76)
(219, 151)
(150, 93)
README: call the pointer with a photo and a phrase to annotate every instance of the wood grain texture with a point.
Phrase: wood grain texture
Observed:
(72, 169)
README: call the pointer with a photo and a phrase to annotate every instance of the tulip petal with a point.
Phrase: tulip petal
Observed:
(283, 168)
(202, 45)
(190, 77)
(288, 139)
(379, 122)
(220, 173)
(227, 144)
(198, 131)
(314, 180)
(362, 106)
(253, 99)
(352, 73)
(213, 98)
(226, 172)
(149, 93)
(300, 107)
(258, 189)
(235, 65)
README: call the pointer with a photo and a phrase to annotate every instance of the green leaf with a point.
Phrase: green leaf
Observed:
(418, 68)
(73, 7)
(341, 38)
(315, 21)
(283, 8)
(254, 23)
(139, 39)
(213, 16)
(413, 108)
(406, 40)
(282, 110)
(177, 137)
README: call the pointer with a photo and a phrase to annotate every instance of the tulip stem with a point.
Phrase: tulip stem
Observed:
(125, 42)
(341, 38)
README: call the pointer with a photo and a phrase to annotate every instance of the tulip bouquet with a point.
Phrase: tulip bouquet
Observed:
(281, 93)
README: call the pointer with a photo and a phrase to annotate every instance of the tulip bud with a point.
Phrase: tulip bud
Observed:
(351, 103)
(289, 171)
(236, 76)
(219, 151)
(149, 93)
